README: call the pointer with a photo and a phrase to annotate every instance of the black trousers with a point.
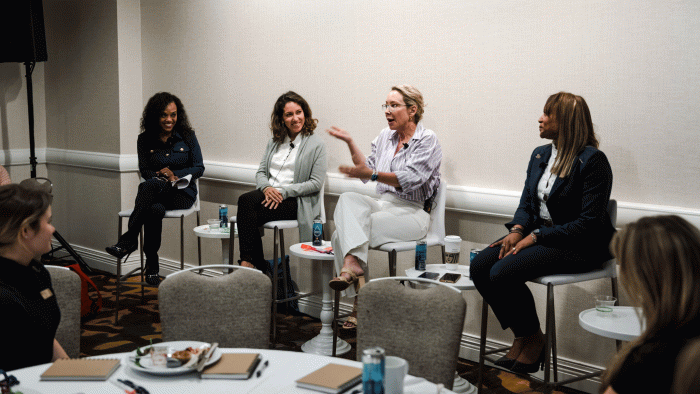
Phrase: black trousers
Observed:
(251, 215)
(502, 282)
(154, 197)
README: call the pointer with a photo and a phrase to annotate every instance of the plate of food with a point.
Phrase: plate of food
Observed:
(172, 358)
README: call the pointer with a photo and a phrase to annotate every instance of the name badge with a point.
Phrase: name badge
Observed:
(46, 293)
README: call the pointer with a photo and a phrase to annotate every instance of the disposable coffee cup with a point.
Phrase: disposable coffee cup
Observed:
(452, 245)
(395, 370)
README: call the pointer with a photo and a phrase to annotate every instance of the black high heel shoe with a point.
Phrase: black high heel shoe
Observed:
(504, 362)
(523, 368)
(121, 248)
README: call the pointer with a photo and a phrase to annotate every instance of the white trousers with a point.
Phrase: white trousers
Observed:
(362, 222)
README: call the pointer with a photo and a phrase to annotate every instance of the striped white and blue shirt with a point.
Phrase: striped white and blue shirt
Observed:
(416, 167)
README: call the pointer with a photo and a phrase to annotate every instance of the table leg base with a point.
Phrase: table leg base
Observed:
(461, 385)
(324, 346)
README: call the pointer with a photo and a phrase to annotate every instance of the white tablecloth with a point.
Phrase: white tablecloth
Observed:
(284, 369)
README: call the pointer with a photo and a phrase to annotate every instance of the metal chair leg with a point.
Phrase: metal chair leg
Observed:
(182, 242)
(119, 275)
(284, 266)
(336, 305)
(482, 344)
(274, 290)
(618, 342)
(392, 263)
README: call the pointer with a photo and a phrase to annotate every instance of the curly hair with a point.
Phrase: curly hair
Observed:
(150, 120)
(277, 126)
(20, 207)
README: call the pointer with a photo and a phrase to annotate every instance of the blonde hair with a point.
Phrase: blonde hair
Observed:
(412, 97)
(659, 258)
(573, 118)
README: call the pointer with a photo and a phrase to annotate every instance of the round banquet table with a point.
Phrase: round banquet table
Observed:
(284, 369)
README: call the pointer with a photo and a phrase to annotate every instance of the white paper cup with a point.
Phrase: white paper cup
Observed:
(395, 370)
(452, 246)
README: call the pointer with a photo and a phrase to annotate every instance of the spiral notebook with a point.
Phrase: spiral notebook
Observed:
(81, 369)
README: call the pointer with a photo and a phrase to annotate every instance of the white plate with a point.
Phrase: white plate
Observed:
(174, 346)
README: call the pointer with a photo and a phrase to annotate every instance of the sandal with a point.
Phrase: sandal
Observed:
(351, 322)
(340, 283)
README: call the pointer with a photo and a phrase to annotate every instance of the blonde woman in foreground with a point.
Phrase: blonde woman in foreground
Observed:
(659, 260)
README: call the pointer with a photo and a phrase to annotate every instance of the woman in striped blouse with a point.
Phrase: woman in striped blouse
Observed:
(405, 163)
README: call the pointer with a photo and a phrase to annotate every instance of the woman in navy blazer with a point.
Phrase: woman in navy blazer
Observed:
(561, 226)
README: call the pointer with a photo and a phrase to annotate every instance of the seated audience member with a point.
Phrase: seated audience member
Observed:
(4, 177)
(289, 179)
(168, 150)
(28, 307)
(405, 163)
(659, 260)
(686, 378)
(561, 226)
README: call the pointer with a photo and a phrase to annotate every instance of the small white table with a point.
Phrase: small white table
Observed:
(204, 232)
(464, 283)
(322, 343)
(621, 324)
(461, 385)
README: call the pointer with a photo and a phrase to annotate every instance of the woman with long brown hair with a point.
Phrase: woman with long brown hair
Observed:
(659, 259)
(561, 226)
(289, 179)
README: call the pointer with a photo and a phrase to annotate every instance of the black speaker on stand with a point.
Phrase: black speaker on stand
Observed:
(24, 41)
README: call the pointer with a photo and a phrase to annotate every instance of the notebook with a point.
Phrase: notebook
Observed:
(333, 378)
(81, 369)
(233, 366)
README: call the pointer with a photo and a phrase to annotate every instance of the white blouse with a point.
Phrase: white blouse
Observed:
(544, 187)
(282, 162)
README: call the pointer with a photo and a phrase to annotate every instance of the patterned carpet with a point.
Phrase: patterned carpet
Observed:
(139, 323)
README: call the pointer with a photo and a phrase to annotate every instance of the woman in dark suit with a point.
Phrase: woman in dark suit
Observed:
(561, 226)
(168, 151)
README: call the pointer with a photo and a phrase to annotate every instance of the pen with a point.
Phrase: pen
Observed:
(260, 371)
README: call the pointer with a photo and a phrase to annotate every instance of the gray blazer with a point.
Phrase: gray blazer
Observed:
(309, 175)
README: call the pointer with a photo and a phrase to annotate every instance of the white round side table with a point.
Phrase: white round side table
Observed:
(205, 232)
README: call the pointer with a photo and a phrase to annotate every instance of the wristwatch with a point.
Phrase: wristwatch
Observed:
(374, 176)
(535, 234)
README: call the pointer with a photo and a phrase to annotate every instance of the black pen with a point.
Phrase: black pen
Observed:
(264, 365)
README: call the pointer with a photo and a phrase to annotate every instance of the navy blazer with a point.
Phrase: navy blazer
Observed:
(181, 154)
(577, 204)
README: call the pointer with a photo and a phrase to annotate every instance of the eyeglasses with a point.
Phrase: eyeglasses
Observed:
(392, 107)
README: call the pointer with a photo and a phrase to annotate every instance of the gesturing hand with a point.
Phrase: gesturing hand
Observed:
(273, 198)
(339, 134)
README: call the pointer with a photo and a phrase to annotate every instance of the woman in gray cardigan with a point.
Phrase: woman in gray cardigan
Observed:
(289, 179)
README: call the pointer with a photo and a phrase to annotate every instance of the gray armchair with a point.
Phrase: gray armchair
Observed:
(423, 326)
(233, 309)
(66, 284)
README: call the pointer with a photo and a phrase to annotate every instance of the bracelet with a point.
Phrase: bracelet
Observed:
(374, 176)
(516, 230)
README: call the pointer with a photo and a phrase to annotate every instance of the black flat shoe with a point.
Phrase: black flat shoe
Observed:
(151, 276)
(504, 362)
(121, 249)
(523, 368)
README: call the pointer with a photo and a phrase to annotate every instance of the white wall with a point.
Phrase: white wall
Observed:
(485, 69)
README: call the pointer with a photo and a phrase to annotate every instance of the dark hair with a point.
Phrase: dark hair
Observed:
(150, 120)
(279, 130)
(20, 206)
(573, 118)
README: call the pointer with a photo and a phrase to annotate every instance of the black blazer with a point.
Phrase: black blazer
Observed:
(577, 204)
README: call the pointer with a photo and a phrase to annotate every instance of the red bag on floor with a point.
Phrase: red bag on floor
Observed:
(87, 305)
